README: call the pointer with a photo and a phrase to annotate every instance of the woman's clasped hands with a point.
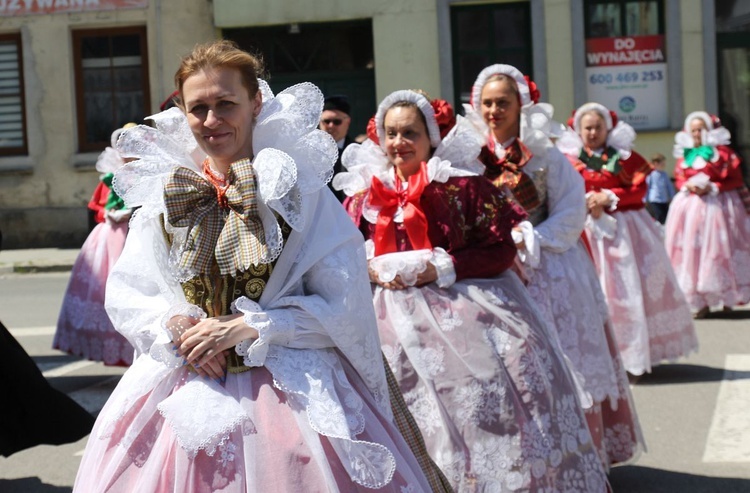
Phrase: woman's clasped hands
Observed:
(425, 277)
(205, 344)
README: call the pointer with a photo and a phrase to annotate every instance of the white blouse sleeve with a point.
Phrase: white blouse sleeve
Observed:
(566, 202)
(141, 292)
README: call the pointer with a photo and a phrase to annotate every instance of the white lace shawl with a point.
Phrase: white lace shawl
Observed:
(566, 201)
(109, 161)
(319, 283)
(455, 156)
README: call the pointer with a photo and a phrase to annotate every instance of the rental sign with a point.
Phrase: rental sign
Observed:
(9, 8)
(629, 76)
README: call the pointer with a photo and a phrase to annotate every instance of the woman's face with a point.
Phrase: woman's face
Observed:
(593, 130)
(221, 113)
(407, 142)
(697, 126)
(501, 109)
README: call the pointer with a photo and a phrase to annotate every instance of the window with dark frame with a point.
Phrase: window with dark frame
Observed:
(12, 102)
(486, 34)
(620, 18)
(111, 74)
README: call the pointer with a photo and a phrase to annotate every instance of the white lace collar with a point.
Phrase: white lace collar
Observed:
(620, 137)
(293, 159)
(536, 127)
(712, 138)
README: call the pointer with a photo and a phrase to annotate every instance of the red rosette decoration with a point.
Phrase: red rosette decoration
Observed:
(444, 115)
(372, 131)
(572, 120)
(614, 118)
(534, 93)
(715, 121)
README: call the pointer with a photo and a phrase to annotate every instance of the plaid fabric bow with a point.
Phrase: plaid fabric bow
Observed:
(692, 153)
(508, 171)
(233, 235)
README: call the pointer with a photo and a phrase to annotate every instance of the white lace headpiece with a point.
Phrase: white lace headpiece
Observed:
(620, 136)
(110, 159)
(589, 107)
(412, 97)
(497, 69)
(700, 115)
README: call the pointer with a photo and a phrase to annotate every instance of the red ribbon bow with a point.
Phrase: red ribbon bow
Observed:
(389, 200)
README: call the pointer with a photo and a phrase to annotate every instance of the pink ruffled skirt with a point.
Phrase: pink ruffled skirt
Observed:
(83, 327)
(277, 452)
(649, 314)
(488, 387)
(566, 289)
(708, 242)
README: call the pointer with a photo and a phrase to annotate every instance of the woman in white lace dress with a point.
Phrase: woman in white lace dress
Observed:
(708, 228)
(479, 370)
(649, 314)
(519, 157)
(243, 287)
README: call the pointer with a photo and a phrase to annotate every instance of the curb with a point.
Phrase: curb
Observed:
(34, 268)
(31, 269)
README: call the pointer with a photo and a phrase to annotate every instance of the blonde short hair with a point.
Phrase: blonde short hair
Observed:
(221, 54)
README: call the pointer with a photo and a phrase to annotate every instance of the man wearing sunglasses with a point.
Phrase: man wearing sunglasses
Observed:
(335, 120)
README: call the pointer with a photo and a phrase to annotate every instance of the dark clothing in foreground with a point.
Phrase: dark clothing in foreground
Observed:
(33, 412)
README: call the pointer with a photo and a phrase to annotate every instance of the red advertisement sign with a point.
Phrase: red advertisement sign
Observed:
(633, 50)
(12, 8)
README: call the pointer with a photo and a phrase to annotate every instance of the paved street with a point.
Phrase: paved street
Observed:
(695, 414)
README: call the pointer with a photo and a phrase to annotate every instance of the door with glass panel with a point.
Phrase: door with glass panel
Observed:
(733, 63)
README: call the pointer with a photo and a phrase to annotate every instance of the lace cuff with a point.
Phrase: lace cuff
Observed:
(612, 196)
(702, 180)
(605, 226)
(161, 349)
(273, 326)
(443, 263)
(530, 255)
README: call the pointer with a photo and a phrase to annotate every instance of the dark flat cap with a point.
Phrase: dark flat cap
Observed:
(337, 102)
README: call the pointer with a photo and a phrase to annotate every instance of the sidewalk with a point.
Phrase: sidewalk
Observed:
(37, 260)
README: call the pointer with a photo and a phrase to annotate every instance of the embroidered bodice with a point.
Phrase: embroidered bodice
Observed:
(528, 183)
(724, 170)
(466, 217)
(626, 178)
(214, 292)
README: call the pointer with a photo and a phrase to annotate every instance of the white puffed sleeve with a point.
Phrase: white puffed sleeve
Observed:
(141, 292)
(566, 202)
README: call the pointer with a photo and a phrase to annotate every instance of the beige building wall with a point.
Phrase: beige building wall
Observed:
(43, 196)
(693, 85)
(559, 48)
